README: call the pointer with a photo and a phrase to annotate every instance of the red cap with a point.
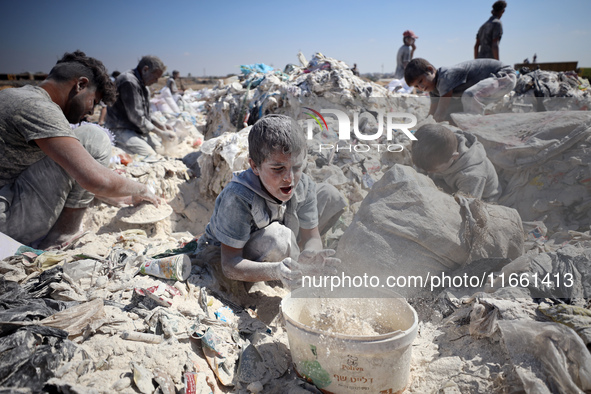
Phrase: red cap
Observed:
(409, 33)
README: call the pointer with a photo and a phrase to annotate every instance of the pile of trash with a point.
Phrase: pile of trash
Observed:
(94, 323)
(322, 83)
(544, 90)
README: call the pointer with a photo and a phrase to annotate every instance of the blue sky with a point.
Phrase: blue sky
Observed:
(216, 37)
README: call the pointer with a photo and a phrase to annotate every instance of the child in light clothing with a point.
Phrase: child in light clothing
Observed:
(458, 159)
(268, 213)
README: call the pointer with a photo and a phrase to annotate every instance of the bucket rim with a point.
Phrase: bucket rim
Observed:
(409, 333)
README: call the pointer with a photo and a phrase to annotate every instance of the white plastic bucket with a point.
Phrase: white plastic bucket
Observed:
(346, 363)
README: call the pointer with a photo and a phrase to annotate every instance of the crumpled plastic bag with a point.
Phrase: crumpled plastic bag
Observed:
(548, 357)
(170, 323)
(31, 355)
(75, 320)
(575, 317)
(256, 68)
(221, 156)
(48, 259)
(233, 147)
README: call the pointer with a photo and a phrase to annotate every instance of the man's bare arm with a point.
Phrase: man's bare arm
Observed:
(442, 106)
(69, 153)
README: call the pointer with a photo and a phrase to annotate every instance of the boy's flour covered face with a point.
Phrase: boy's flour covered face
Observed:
(280, 173)
(426, 82)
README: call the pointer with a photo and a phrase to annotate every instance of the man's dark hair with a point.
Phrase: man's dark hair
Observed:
(415, 68)
(153, 63)
(275, 133)
(76, 65)
(499, 6)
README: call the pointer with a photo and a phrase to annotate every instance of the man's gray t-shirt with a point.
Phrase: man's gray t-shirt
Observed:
(28, 113)
(492, 29)
(464, 75)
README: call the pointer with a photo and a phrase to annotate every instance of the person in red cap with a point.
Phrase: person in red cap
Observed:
(405, 53)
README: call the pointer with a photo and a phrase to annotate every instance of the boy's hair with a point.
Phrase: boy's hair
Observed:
(275, 133)
(77, 64)
(153, 63)
(435, 145)
(499, 6)
(415, 68)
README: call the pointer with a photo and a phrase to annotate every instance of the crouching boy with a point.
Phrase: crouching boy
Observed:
(458, 159)
(477, 82)
(268, 213)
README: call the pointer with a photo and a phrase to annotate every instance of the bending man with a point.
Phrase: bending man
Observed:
(49, 173)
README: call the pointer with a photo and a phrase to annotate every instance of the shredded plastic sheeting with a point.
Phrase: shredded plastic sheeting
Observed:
(542, 90)
(542, 160)
(548, 357)
(409, 227)
(221, 157)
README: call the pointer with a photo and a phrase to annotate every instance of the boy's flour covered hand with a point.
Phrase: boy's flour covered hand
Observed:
(318, 262)
(310, 262)
(288, 272)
